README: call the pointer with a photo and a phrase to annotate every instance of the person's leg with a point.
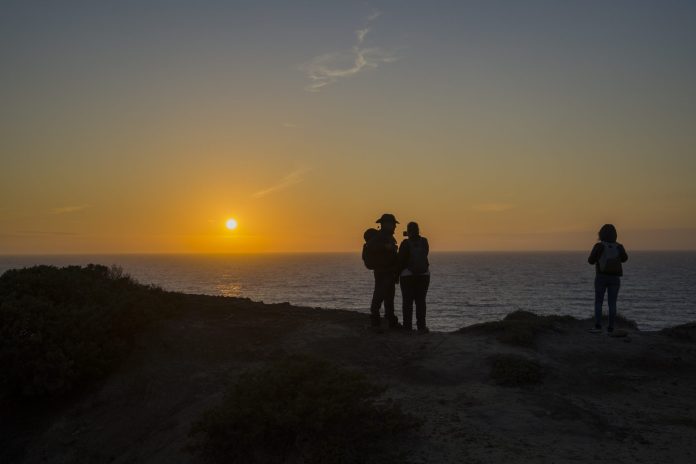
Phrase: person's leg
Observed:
(612, 296)
(389, 293)
(600, 288)
(421, 291)
(407, 295)
(377, 298)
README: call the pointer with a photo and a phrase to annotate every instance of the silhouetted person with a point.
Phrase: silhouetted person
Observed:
(380, 255)
(607, 256)
(414, 276)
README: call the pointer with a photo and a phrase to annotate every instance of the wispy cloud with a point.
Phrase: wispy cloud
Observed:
(293, 178)
(492, 207)
(330, 67)
(68, 209)
(374, 15)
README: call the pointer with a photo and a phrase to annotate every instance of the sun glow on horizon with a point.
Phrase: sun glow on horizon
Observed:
(231, 224)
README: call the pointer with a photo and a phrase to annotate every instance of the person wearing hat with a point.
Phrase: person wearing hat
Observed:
(383, 251)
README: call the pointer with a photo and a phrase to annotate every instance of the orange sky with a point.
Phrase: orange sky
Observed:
(496, 128)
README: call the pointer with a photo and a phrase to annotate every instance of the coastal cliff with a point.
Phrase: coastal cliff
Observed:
(524, 389)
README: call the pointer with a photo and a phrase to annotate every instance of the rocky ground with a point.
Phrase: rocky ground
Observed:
(527, 390)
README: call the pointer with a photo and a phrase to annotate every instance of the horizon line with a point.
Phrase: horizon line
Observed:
(193, 253)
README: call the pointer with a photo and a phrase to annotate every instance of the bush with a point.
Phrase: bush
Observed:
(519, 328)
(62, 328)
(685, 332)
(514, 370)
(300, 409)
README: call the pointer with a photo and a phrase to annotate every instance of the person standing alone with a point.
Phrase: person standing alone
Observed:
(380, 252)
(414, 276)
(607, 256)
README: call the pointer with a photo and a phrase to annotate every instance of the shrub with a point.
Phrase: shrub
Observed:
(62, 328)
(685, 332)
(300, 409)
(514, 370)
(519, 328)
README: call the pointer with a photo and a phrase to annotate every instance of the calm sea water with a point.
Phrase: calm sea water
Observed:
(658, 289)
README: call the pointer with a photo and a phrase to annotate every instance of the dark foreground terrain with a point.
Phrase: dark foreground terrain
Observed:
(526, 389)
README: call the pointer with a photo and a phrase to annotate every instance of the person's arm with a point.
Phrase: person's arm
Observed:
(624, 256)
(594, 254)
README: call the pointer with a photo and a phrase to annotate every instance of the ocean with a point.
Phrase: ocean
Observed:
(658, 289)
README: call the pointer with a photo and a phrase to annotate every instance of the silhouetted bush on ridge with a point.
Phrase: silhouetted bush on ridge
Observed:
(301, 409)
(684, 332)
(522, 328)
(61, 328)
(519, 328)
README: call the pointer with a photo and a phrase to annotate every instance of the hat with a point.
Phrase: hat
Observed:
(387, 217)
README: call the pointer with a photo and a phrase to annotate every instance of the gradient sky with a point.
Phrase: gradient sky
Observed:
(141, 126)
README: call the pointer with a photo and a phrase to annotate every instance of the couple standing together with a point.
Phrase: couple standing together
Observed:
(406, 265)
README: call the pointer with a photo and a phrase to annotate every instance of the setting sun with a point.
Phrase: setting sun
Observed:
(231, 224)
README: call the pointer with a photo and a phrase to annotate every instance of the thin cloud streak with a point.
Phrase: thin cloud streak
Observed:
(289, 180)
(361, 33)
(68, 209)
(374, 15)
(328, 68)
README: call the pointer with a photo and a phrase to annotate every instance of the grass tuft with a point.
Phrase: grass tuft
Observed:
(300, 409)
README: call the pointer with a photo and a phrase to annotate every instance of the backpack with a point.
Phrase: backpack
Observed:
(369, 258)
(610, 260)
(418, 256)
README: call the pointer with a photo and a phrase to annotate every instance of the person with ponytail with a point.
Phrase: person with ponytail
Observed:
(607, 256)
(414, 276)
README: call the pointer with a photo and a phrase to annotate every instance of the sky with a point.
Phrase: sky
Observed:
(143, 126)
